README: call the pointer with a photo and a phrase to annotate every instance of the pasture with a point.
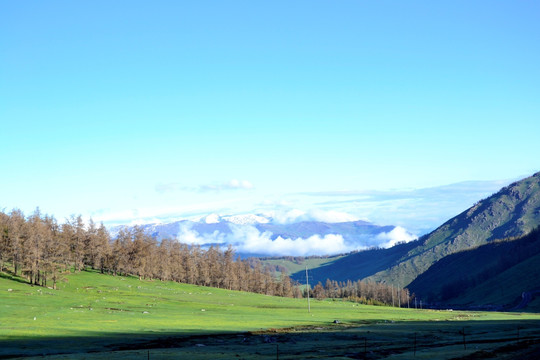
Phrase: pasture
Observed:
(94, 316)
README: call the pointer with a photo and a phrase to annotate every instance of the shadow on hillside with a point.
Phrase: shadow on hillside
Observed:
(9, 275)
(357, 340)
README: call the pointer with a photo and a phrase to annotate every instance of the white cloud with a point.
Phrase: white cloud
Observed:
(189, 236)
(331, 216)
(391, 238)
(314, 245)
(248, 239)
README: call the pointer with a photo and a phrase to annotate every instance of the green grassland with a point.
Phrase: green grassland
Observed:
(94, 316)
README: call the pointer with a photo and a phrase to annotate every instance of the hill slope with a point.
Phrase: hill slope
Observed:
(353, 266)
(495, 274)
(512, 212)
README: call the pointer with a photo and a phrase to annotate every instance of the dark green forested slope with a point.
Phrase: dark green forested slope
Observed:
(492, 274)
(356, 266)
(512, 212)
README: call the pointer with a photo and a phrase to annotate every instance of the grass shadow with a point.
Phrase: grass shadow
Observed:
(9, 275)
(356, 340)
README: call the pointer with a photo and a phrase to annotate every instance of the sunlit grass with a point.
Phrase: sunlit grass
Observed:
(101, 310)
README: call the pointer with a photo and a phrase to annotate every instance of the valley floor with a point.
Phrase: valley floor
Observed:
(94, 316)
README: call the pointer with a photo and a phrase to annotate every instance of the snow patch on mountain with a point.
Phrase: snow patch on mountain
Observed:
(248, 219)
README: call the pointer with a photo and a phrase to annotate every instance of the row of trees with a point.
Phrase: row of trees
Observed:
(42, 250)
(365, 292)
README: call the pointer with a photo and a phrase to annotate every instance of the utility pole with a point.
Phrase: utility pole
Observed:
(392, 295)
(307, 290)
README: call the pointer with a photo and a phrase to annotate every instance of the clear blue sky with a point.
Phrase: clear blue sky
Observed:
(136, 109)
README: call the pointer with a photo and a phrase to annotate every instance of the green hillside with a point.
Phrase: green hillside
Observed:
(506, 288)
(493, 274)
(354, 266)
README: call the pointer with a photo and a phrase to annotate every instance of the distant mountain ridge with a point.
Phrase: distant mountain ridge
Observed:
(224, 230)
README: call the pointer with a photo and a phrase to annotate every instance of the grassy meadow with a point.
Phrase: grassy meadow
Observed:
(94, 316)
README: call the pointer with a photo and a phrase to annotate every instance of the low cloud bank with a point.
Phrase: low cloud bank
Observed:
(247, 239)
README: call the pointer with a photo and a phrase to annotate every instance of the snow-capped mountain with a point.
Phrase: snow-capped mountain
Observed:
(258, 234)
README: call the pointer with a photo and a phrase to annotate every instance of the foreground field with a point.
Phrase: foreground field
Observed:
(95, 316)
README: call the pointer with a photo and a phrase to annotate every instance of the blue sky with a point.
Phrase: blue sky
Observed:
(131, 111)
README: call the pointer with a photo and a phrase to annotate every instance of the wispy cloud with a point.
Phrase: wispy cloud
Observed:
(150, 215)
(465, 187)
(233, 184)
(420, 210)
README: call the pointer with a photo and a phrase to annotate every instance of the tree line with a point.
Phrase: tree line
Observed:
(42, 250)
(364, 292)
